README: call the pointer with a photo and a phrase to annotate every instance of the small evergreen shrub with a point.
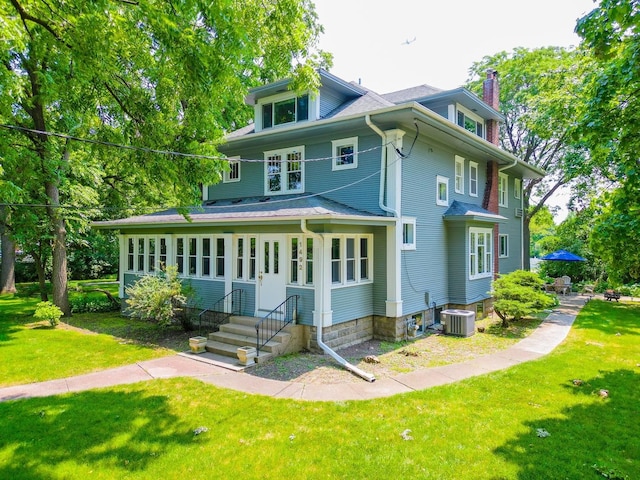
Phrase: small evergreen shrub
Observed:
(519, 294)
(48, 311)
(156, 297)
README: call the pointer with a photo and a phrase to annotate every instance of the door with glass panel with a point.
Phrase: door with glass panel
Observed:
(271, 280)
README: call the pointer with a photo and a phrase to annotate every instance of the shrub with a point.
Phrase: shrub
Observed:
(519, 294)
(48, 311)
(156, 297)
(92, 305)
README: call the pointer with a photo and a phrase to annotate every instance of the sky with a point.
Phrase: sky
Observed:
(391, 45)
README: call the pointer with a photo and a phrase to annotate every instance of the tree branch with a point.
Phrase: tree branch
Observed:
(28, 17)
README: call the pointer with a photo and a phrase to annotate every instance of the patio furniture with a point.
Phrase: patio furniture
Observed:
(588, 291)
(562, 285)
(611, 295)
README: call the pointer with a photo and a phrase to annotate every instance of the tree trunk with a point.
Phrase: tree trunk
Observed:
(59, 270)
(7, 267)
(42, 279)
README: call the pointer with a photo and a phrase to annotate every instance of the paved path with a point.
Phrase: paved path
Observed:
(546, 337)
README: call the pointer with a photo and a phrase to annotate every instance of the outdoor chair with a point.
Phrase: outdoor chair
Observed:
(561, 286)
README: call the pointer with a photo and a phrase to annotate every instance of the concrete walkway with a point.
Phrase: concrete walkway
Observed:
(546, 337)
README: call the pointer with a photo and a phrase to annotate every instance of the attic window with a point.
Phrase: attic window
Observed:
(288, 110)
(471, 122)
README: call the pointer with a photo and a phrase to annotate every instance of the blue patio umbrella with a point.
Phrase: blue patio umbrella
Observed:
(563, 256)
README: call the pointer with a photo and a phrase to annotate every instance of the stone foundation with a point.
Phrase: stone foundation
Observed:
(343, 334)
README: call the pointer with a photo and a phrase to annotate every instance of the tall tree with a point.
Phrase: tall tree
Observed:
(155, 74)
(610, 126)
(540, 93)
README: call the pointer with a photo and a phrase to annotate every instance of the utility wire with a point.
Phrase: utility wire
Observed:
(171, 152)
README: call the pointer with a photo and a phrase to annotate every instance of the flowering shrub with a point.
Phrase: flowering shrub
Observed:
(48, 311)
(156, 297)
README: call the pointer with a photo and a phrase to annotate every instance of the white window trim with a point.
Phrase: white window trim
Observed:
(503, 190)
(505, 237)
(283, 154)
(343, 264)
(281, 97)
(473, 251)
(225, 176)
(442, 180)
(145, 252)
(517, 188)
(459, 178)
(473, 116)
(472, 166)
(301, 261)
(344, 142)
(409, 221)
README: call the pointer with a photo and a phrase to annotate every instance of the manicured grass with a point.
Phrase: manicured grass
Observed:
(482, 428)
(34, 352)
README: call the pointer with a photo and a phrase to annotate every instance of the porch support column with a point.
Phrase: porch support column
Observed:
(323, 314)
(123, 263)
(228, 262)
(393, 304)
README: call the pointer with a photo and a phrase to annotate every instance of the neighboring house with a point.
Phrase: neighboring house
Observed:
(376, 210)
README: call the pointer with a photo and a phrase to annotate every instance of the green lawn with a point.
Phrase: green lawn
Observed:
(482, 428)
(32, 351)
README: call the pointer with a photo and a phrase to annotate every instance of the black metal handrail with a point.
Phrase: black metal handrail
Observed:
(275, 321)
(219, 313)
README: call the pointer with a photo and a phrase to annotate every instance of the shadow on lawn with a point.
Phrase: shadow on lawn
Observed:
(97, 430)
(582, 443)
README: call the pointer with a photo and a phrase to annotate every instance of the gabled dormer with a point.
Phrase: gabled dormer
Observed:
(276, 105)
(459, 106)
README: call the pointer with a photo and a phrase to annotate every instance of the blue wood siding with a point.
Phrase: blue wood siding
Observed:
(512, 228)
(248, 297)
(439, 263)
(306, 303)
(349, 303)
(204, 293)
(329, 101)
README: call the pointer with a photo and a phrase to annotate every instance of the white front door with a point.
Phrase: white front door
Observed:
(271, 274)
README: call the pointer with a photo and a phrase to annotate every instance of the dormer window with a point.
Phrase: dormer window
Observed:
(470, 122)
(284, 111)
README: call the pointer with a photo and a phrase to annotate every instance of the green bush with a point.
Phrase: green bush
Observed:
(48, 311)
(156, 297)
(519, 294)
(85, 304)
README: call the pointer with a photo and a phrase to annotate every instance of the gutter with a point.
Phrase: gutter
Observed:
(325, 348)
(383, 166)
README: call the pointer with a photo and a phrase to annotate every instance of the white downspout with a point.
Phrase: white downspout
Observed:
(383, 166)
(325, 348)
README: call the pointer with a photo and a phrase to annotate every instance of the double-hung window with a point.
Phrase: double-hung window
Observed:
(503, 190)
(284, 171)
(146, 254)
(517, 188)
(459, 174)
(480, 252)
(473, 179)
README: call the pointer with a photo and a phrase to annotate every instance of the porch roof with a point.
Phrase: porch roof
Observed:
(253, 210)
(466, 212)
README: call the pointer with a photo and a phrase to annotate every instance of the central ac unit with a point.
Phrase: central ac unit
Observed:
(459, 322)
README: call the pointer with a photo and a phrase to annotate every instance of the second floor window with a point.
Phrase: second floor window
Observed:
(284, 171)
(503, 190)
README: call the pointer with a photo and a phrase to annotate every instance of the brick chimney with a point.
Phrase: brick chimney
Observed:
(491, 96)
